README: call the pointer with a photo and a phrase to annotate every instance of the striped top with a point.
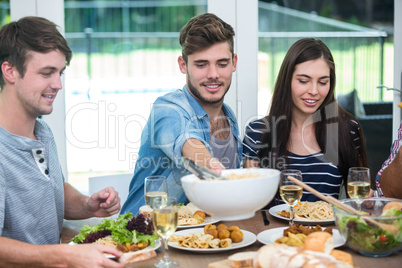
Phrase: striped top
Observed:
(317, 171)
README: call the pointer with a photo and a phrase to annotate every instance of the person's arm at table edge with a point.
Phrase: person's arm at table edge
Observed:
(101, 204)
(391, 185)
(198, 152)
(14, 253)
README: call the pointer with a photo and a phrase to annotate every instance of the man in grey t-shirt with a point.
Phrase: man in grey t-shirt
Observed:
(34, 198)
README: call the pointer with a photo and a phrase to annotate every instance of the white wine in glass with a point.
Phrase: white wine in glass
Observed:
(290, 192)
(155, 187)
(358, 185)
(165, 219)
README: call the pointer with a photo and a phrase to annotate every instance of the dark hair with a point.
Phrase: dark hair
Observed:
(275, 141)
(29, 34)
(202, 32)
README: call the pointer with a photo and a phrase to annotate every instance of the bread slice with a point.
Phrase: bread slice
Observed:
(283, 256)
(146, 210)
(136, 256)
(319, 241)
(342, 256)
(242, 259)
(264, 255)
(220, 264)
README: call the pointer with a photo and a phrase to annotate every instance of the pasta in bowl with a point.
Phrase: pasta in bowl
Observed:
(233, 199)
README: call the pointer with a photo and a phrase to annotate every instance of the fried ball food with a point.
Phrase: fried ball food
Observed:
(209, 226)
(199, 213)
(223, 233)
(234, 227)
(213, 232)
(236, 236)
(222, 226)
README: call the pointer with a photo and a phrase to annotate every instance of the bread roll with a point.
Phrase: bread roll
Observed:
(319, 241)
(388, 206)
(283, 256)
(342, 256)
(242, 259)
(146, 210)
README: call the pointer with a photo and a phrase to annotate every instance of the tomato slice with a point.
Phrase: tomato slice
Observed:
(383, 238)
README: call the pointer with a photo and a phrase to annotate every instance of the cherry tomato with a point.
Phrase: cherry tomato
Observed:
(383, 238)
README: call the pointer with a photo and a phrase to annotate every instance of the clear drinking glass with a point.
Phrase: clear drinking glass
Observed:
(155, 186)
(358, 185)
(165, 219)
(290, 192)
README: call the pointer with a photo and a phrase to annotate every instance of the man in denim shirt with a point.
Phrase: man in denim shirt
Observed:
(192, 121)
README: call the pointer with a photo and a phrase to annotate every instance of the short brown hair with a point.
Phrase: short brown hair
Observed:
(29, 34)
(202, 32)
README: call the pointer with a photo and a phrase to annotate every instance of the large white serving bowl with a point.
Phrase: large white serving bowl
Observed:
(234, 199)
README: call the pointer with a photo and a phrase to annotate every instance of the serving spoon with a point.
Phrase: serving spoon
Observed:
(201, 172)
(390, 228)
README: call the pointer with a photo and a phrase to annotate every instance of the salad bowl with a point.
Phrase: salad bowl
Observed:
(365, 237)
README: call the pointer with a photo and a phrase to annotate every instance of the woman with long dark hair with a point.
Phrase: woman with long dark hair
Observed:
(305, 128)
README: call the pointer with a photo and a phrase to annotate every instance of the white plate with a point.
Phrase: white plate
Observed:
(273, 211)
(157, 245)
(269, 236)
(208, 220)
(248, 239)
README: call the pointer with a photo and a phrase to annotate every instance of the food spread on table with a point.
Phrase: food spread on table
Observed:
(317, 248)
(296, 234)
(126, 233)
(189, 215)
(366, 237)
(313, 211)
(220, 236)
(318, 251)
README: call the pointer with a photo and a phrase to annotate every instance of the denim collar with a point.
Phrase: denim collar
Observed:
(199, 110)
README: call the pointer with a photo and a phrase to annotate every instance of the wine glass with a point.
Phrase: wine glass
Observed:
(290, 192)
(358, 185)
(155, 186)
(165, 220)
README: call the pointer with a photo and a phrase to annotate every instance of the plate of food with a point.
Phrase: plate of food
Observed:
(127, 233)
(190, 216)
(146, 252)
(319, 212)
(276, 235)
(196, 240)
(208, 220)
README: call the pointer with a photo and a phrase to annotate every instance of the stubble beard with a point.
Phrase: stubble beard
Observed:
(196, 93)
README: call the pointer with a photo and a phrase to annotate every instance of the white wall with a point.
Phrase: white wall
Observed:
(397, 64)
(54, 11)
(243, 16)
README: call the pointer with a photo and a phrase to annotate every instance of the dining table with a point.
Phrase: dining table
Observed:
(255, 225)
